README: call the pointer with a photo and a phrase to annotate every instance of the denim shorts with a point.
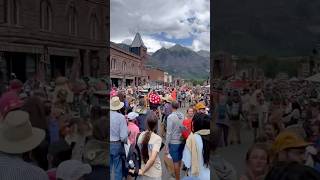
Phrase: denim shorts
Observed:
(176, 151)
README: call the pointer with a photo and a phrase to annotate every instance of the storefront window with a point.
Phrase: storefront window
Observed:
(31, 65)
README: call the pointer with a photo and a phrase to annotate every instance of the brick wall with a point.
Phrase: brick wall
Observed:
(155, 74)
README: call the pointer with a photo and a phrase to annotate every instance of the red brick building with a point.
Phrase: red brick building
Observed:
(223, 65)
(48, 38)
(155, 75)
(127, 63)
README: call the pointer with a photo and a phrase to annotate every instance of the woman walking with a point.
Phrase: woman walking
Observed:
(150, 144)
(196, 154)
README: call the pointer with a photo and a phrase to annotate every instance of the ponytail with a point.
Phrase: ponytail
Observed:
(144, 149)
(152, 122)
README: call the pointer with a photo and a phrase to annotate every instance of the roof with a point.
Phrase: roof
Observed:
(137, 42)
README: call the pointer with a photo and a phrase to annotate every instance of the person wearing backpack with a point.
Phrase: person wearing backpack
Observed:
(149, 144)
(234, 114)
(174, 140)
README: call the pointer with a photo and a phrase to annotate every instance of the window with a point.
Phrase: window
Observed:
(45, 15)
(132, 68)
(113, 63)
(94, 27)
(11, 10)
(15, 12)
(5, 11)
(124, 64)
(73, 20)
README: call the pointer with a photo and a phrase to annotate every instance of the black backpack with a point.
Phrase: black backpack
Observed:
(134, 156)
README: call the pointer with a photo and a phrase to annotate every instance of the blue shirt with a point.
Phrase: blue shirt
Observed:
(118, 127)
(14, 168)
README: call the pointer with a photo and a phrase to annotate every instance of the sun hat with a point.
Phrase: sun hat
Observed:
(200, 106)
(115, 103)
(168, 98)
(132, 115)
(286, 140)
(72, 170)
(17, 135)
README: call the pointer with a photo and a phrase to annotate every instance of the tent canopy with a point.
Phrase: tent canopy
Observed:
(314, 78)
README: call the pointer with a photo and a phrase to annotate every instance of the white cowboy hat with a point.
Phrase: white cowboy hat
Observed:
(116, 104)
(17, 135)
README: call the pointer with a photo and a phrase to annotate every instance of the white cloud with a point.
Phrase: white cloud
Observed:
(152, 44)
(202, 41)
(156, 16)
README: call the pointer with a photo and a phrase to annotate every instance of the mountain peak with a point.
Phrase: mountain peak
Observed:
(178, 47)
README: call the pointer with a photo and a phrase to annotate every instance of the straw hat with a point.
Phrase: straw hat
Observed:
(17, 135)
(286, 140)
(116, 104)
(200, 106)
(167, 98)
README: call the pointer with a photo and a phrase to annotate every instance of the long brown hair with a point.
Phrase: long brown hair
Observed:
(152, 124)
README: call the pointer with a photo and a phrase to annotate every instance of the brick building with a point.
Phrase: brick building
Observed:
(155, 75)
(127, 63)
(48, 38)
(223, 66)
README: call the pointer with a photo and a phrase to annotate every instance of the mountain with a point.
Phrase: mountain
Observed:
(181, 61)
(204, 53)
(266, 27)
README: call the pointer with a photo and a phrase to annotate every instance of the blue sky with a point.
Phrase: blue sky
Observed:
(163, 37)
(162, 23)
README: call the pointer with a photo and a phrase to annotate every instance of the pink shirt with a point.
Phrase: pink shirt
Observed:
(133, 130)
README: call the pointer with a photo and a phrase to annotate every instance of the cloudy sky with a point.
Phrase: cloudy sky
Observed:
(162, 23)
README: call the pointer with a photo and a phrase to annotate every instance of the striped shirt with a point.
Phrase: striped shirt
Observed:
(14, 168)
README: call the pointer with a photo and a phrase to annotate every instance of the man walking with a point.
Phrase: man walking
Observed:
(118, 136)
(174, 139)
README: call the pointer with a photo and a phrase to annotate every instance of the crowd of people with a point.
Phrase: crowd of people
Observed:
(283, 117)
(145, 127)
(52, 131)
(59, 130)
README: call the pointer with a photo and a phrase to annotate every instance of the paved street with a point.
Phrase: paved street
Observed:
(235, 154)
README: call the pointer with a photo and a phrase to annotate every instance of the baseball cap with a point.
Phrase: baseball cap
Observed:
(72, 170)
(287, 140)
(132, 115)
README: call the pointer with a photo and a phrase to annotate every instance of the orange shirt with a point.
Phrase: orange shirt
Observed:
(174, 95)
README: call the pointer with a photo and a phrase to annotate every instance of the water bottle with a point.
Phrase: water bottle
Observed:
(131, 164)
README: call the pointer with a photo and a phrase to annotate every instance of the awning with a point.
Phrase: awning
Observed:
(314, 78)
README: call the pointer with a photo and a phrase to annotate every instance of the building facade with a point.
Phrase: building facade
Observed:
(127, 63)
(49, 38)
(223, 65)
(155, 75)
